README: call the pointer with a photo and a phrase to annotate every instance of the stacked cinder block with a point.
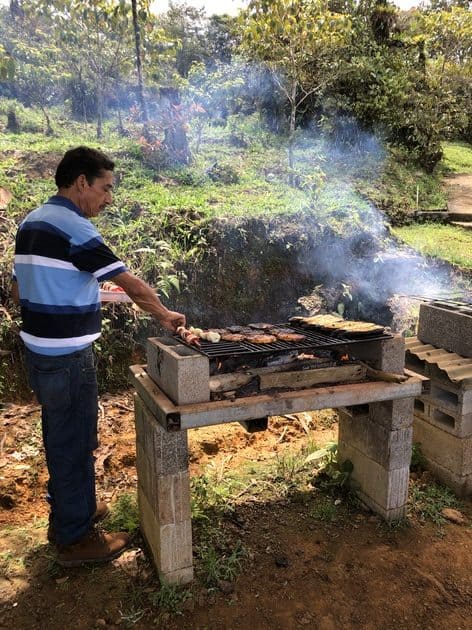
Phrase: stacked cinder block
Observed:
(443, 415)
(164, 495)
(162, 458)
(377, 438)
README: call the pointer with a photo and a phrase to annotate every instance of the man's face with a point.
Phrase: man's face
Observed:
(96, 196)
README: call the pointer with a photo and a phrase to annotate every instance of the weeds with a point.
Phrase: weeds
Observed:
(217, 565)
(325, 510)
(427, 500)
(124, 515)
(170, 598)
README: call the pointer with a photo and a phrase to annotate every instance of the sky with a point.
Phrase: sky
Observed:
(232, 6)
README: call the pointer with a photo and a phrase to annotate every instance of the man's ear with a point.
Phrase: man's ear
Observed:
(81, 182)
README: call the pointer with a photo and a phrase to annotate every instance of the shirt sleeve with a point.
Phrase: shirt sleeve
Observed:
(92, 255)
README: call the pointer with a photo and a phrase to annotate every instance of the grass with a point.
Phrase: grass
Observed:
(457, 157)
(124, 515)
(427, 500)
(447, 242)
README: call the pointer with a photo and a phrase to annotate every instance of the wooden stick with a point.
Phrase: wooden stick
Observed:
(380, 375)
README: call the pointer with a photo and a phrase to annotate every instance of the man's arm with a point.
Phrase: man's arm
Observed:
(145, 297)
(15, 296)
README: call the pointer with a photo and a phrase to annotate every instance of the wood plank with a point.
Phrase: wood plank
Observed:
(173, 417)
(161, 407)
(233, 380)
(280, 403)
(308, 378)
(227, 382)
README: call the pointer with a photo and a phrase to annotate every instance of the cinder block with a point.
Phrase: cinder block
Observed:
(172, 498)
(393, 414)
(446, 328)
(441, 415)
(167, 451)
(183, 374)
(387, 355)
(449, 451)
(170, 544)
(457, 398)
(385, 491)
(146, 473)
(390, 449)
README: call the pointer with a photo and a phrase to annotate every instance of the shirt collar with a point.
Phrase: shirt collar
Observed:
(59, 200)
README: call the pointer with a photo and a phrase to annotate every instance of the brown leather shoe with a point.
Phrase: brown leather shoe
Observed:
(94, 548)
(101, 512)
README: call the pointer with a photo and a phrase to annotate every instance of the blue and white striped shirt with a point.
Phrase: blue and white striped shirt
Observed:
(59, 260)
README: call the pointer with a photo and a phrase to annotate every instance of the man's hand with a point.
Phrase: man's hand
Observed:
(171, 320)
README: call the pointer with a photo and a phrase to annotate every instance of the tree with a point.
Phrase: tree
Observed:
(185, 25)
(301, 42)
(93, 43)
(139, 72)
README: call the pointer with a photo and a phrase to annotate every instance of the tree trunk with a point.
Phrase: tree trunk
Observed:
(137, 42)
(99, 112)
(291, 133)
(12, 121)
(49, 131)
(175, 136)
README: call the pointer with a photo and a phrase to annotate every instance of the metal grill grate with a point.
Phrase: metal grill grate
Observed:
(313, 341)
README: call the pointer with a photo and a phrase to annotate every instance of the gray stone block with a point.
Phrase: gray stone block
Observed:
(387, 355)
(386, 491)
(390, 449)
(443, 416)
(170, 544)
(181, 373)
(393, 414)
(167, 451)
(445, 328)
(449, 451)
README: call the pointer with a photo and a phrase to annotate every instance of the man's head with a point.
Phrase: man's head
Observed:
(85, 176)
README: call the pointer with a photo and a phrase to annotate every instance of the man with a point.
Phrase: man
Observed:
(59, 260)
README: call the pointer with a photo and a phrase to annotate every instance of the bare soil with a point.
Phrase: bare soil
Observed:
(459, 192)
(353, 572)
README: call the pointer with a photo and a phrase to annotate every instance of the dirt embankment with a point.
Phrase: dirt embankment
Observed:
(301, 568)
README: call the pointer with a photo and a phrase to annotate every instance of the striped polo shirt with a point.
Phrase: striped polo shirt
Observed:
(59, 260)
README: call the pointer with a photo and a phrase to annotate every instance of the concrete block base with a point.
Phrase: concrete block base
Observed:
(384, 491)
(439, 447)
(377, 439)
(164, 496)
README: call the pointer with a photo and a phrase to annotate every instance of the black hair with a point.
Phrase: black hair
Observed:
(82, 161)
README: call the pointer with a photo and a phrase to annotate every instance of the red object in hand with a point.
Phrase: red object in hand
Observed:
(111, 286)
(188, 336)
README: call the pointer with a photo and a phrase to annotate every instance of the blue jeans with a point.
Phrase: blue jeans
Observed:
(66, 388)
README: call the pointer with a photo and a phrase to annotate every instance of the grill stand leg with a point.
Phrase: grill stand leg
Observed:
(377, 439)
(164, 496)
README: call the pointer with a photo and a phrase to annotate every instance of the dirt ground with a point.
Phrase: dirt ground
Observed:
(355, 572)
(459, 191)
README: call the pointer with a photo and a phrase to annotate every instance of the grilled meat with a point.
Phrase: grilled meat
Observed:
(261, 338)
(289, 336)
(232, 337)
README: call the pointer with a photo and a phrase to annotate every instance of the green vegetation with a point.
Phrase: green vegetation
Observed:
(457, 157)
(447, 242)
(124, 515)
(426, 500)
